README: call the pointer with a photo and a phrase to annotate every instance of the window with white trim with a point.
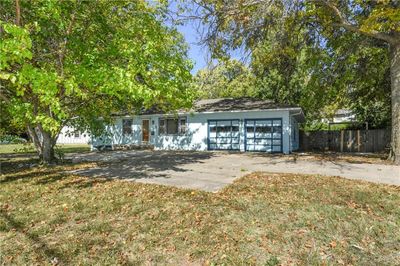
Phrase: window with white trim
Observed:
(172, 126)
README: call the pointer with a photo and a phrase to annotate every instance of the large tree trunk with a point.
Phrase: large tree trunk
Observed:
(44, 143)
(48, 148)
(35, 139)
(395, 86)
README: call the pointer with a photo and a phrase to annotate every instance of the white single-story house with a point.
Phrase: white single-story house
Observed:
(217, 124)
(70, 135)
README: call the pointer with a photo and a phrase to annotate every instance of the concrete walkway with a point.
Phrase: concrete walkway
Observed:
(211, 171)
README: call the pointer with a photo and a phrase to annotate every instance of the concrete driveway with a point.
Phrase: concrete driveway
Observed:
(211, 171)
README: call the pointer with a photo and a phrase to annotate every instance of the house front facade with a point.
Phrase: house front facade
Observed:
(216, 124)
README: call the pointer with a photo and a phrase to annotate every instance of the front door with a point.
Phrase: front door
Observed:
(145, 130)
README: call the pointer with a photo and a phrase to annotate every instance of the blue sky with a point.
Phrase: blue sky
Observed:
(197, 52)
(190, 31)
(200, 54)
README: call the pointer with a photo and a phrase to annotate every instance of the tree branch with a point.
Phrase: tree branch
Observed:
(35, 139)
(374, 34)
(63, 45)
(17, 13)
(344, 23)
(4, 97)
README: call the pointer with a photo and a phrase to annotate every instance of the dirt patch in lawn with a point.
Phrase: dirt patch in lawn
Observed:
(369, 158)
(378, 158)
(48, 216)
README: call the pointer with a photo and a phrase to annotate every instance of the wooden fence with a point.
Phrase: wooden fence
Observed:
(376, 140)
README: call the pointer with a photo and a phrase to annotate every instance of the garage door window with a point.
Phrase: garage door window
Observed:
(264, 135)
(223, 135)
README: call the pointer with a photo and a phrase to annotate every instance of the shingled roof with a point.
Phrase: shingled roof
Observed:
(236, 104)
(226, 105)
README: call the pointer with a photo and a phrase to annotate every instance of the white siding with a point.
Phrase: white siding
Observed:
(197, 130)
(67, 136)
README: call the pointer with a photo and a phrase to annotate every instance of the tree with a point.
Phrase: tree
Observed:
(229, 78)
(236, 23)
(378, 20)
(72, 62)
(286, 63)
(361, 71)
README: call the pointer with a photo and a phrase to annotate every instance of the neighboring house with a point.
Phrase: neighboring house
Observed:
(69, 135)
(216, 124)
(344, 115)
(341, 116)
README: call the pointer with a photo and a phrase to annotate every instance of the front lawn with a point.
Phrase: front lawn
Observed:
(29, 148)
(48, 216)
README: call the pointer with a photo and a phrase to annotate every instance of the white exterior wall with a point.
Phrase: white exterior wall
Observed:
(197, 130)
(67, 136)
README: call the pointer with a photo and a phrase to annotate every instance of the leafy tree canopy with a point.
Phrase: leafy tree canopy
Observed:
(229, 78)
(322, 55)
(71, 62)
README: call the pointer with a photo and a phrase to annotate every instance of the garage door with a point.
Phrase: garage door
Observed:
(263, 135)
(223, 135)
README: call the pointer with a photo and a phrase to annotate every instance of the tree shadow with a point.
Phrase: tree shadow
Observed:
(31, 170)
(84, 183)
(40, 246)
(144, 164)
(14, 176)
(50, 178)
(9, 164)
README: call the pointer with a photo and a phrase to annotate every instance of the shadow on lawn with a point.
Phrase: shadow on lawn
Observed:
(30, 170)
(147, 164)
(14, 164)
(85, 183)
(10, 177)
(120, 165)
(40, 247)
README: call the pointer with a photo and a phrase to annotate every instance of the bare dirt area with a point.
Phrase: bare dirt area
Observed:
(371, 158)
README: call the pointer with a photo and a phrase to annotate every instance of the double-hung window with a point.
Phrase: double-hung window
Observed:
(172, 126)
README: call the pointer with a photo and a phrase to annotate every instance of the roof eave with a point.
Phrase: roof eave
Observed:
(221, 111)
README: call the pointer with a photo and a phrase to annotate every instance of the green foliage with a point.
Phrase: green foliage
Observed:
(118, 52)
(59, 153)
(71, 62)
(227, 79)
(24, 148)
(361, 71)
(287, 66)
(321, 55)
(11, 139)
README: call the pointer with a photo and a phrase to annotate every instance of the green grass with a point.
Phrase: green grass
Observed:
(265, 219)
(28, 148)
